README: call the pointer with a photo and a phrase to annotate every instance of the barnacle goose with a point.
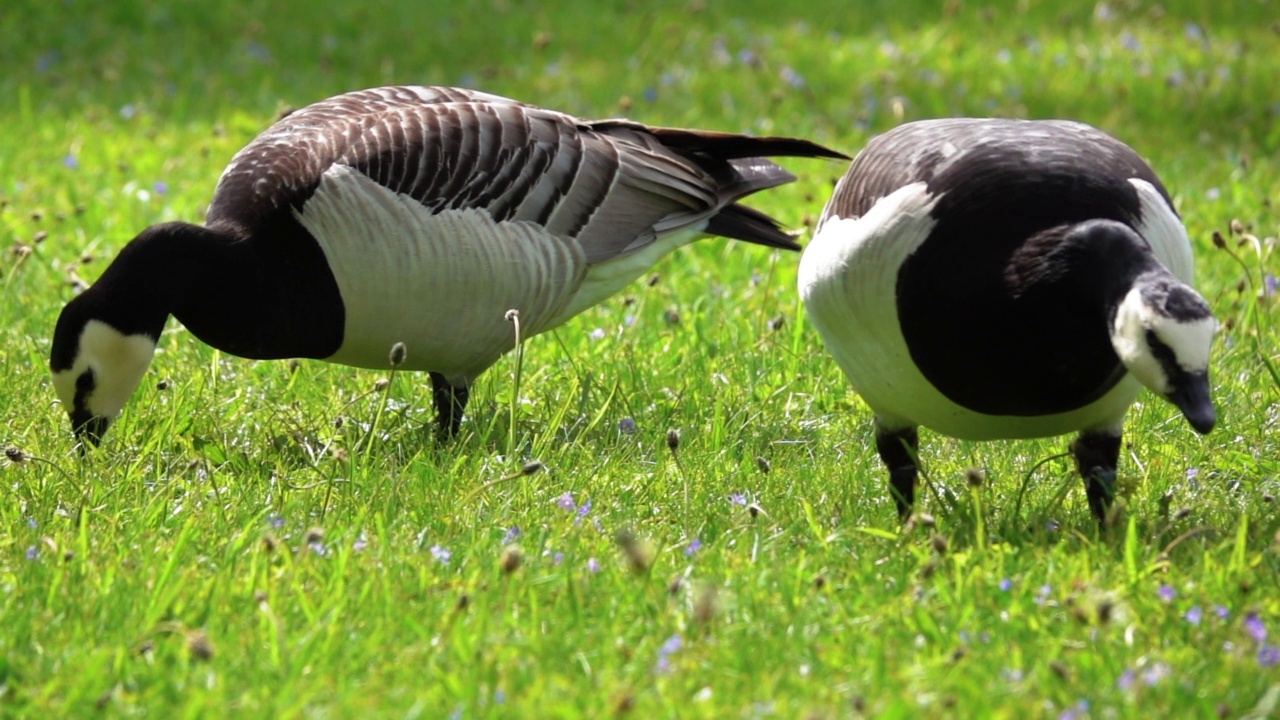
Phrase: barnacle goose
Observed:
(414, 215)
(991, 278)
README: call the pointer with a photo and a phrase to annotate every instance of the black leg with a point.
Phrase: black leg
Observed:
(1097, 455)
(450, 401)
(897, 450)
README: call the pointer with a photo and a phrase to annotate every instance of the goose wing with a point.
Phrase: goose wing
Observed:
(613, 186)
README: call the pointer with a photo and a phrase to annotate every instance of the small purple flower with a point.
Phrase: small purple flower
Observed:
(360, 544)
(597, 334)
(1194, 615)
(627, 426)
(1079, 710)
(1213, 193)
(1255, 627)
(318, 548)
(513, 533)
(1270, 285)
(565, 502)
(1155, 672)
(275, 521)
(738, 499)
(161, 187)
(584, 510)
(650, 94)
(693, 547)
(127, 111)
(33, 552)
(558, 558)
(71, 161)
(499, 696)
(1268, 656)
(1129, 42)
(31, 523)
(1222, 612)
(258, 52)
(1006, 584)
(669, 648)
(593, 565)
(1167, 593)
(792, 78)
(1192, 474)
(1126, 679)
(1194, 32)
(1042, 595)
(441, 554)
(1051, 526)
(747, 57)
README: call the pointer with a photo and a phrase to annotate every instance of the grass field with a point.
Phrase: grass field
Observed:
(248, 542)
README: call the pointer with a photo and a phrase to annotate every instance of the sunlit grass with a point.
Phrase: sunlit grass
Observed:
(243, 544)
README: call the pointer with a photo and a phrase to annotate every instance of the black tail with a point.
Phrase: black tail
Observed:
(742, 223)
(725, 146)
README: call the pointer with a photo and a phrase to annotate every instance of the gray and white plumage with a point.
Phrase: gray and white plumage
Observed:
(1000, 279)
(415, 215)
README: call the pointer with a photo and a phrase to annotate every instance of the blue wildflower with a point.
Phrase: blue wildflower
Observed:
(738, 499)
(593, 565)
(1155, 672)
(669, 648)
(33, 552)
(693, 547)
(792, 78)
(1194, 615)
(565, 502)
(1006, 584)
(627, 426)
(161, 187)
(1167, 593)
(1255, 627)
(441, 554)
(513, 533)
(71, 161)
(1221, 612)
(1126, 679)
(1079, 710)
(1268, 656)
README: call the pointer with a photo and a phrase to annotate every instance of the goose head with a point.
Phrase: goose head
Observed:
(104, 341)
(1162, 332)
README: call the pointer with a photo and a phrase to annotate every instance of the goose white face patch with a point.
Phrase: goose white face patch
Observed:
(1188, 341)
(113, 363)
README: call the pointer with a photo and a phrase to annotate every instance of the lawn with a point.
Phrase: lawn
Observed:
(679, 512)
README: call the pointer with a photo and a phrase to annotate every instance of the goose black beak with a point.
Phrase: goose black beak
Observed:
(91, 430)
(1191, 395)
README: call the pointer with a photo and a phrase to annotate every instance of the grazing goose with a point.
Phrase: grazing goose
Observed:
(1007, 279)
(415, 215)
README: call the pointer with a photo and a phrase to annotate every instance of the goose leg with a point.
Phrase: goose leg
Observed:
(897, 450)
(1097, 454)
(450, 401)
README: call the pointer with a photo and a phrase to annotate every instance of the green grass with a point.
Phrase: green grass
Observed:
(241, 544)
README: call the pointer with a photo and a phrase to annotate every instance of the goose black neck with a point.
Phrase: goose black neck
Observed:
(1096, 261)
(254, 296)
